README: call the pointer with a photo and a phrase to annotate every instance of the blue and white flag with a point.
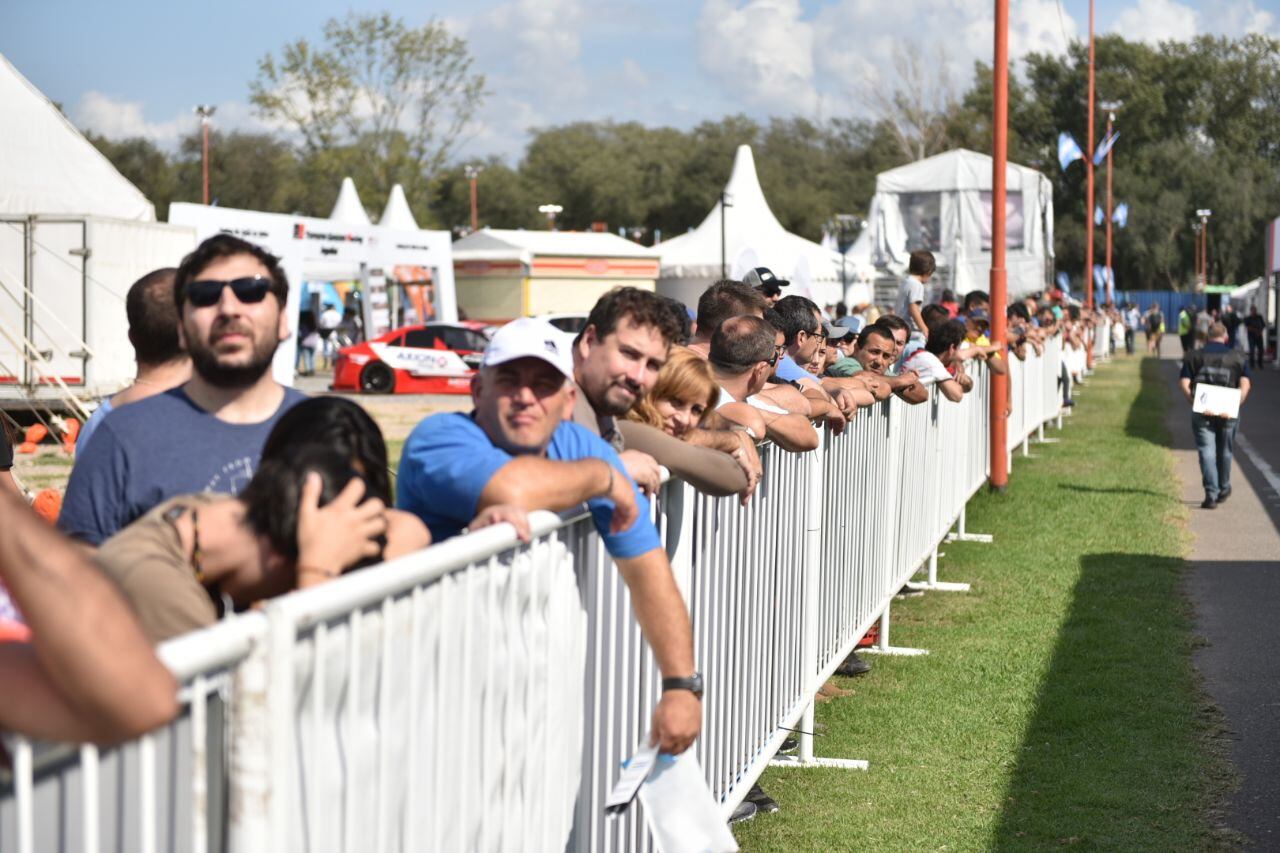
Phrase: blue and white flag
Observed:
(1098, 216)
(1068, 150)
(1120, 216)
(1099, 276)
(1064, 282)
(1101, 153)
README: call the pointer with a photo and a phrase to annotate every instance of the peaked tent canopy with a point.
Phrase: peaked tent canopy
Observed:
(348, 209)
(397, 214)
(753, 237)
(943, 204)
(48, 167)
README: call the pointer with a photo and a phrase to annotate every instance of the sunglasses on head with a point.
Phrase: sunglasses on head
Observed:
(248, 290)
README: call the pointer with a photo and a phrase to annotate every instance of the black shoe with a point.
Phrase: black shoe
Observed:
(762, 801)
(1224, 494)
(853, 665)
(1068, 403)
(1209, 503)
(908, 592)
(791, 744)
(744, 812)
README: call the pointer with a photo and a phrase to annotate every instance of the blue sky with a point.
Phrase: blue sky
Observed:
(137, 68)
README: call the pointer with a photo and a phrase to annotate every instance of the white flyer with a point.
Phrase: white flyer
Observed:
(682, 815)
(1216, 400)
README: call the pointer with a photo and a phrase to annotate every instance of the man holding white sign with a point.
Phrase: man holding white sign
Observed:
(1215, 380)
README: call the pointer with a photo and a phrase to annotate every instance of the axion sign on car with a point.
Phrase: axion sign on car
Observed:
(438, 358)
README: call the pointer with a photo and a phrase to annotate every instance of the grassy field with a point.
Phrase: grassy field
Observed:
(1058, 706)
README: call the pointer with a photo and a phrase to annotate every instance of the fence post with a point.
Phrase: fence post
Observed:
(812, 584)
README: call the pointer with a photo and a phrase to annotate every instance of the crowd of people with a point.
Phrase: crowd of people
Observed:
(207, 486)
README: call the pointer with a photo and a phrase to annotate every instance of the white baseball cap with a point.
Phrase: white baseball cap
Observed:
(530, 337)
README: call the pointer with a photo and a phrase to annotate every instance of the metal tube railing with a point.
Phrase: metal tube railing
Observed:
(504, 683)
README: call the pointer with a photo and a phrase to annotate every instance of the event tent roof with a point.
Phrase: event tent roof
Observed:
(492, 244)
(348, 209)
(753, 236)
(48, 167)
(397, 214)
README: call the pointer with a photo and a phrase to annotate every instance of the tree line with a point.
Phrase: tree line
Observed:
(1199, 124)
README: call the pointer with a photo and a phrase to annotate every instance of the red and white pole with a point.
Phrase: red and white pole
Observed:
(999, 276)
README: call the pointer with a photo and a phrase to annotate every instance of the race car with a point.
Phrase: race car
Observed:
(436, 358)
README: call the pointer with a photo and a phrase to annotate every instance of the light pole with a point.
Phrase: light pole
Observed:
(1110, 107)
(205, 111)
(999, 276)
(726, 200)
(1204, 214)
(1088, 201)
(472, 172)
(550, 211)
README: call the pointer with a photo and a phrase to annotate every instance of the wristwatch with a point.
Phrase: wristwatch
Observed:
(693, 684)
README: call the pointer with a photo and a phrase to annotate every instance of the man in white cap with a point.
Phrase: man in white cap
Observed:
(517, 449)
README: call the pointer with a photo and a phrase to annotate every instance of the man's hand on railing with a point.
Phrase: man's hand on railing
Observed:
(748, 458)
(504, 513)
(676, 721)
(339, 534)
(644, 469)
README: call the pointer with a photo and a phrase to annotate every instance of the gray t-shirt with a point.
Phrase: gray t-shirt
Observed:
(155, 449)
(910, 292)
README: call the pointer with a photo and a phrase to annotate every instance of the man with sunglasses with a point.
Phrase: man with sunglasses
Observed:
(207, 434)
(743, 355)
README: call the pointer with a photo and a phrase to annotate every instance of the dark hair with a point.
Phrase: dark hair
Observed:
(946, 334)
(974, 298)
(724, 299)
(797, 314)
(153, 318)
(842, 310)
(642, 306)
(1073, 311)
(934, 313)
(876, 328)
(773, 318)
(227, 246)
(740, 343)
(681, 314)
(921, 262)
(341, 426)
(275, 492)
(1018, 309)
(948, 296)
(893, 322)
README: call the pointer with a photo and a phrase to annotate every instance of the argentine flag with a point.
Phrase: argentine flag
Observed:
(1101, 153)
(1068, 150)
(1120, 216)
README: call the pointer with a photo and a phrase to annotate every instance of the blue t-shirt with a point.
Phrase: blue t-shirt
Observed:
(158, 448)
(91, 425)
(448, 460)
(789, 371)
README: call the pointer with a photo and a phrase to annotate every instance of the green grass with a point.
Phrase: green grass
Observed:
(1058, 706)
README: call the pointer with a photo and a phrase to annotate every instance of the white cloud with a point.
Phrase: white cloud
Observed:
(1235, 18)
(116, 118)
(633, 75)
(761, 52)
(1156, 21)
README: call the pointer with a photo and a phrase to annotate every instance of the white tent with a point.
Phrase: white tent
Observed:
(48, 167)
(397, 214)
(348, 209)
(752, 237)
(943, 204)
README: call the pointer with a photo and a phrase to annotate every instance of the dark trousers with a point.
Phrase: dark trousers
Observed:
(1255, 351)
(1128, 341)
(1188, 342)
(1215, 438)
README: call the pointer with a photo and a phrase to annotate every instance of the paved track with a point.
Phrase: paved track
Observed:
(1234, 584)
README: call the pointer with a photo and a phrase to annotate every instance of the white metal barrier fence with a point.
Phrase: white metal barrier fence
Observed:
(481, 694)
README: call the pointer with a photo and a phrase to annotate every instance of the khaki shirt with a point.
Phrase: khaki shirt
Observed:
(602, 425)
(152, 568)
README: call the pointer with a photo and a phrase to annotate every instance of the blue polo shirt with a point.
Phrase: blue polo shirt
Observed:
(448, 460)
(789, 371)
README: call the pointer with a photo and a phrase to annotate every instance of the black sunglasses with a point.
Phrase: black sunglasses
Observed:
(248, 290)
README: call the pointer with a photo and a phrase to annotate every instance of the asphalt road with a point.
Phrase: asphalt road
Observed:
(1234, 585)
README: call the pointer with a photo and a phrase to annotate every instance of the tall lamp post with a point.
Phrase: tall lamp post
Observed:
(550, 211)
(473, 172)
(1110, 107)
(999, 276)
(726, 200)
(205, 111)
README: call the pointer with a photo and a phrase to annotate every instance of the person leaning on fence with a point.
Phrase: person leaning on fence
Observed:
(207, 434)
(722, 300)
(617, 360)
(743, 352)
(939, 363)
(88, 672)
(1215, 432)
(153, 332)
(804, 333)
(874, 354)
(518, 449)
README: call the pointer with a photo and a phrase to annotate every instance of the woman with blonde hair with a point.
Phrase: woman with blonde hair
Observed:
(681, 398)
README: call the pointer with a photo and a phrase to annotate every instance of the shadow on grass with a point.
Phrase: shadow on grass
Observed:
(1073, 487)
(1111, 757)
(1146, 418)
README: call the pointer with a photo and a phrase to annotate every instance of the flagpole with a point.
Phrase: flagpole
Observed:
(1088, 204)
(999, 277)
(1111, 117)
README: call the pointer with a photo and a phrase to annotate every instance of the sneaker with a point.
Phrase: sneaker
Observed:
(853, 665)
(908, 592)
(1209, 503)
(871, 637)
(1068, 403)
(743, 813)
(762, 801)
(791, 744)
(1224, 494)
